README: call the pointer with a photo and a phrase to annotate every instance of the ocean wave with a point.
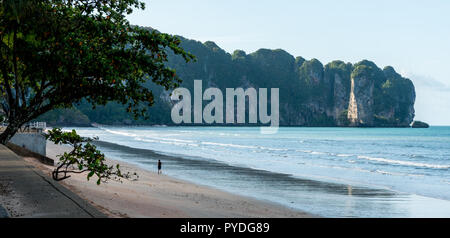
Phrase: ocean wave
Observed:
(171, 140)
(166, 142)
(343, 155)
(229, 145)
(184, 142)
(397, 174)
(272, 149)
(119, 132)
(388, 173)
(406, 163)
(227, 134)
(148, 138)
(314, 152)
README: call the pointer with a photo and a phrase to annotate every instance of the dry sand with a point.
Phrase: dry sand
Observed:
(161, 196)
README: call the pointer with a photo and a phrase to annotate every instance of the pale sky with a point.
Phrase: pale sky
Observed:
(412, 36)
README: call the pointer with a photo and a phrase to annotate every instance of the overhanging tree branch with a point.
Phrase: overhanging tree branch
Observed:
(57, 52)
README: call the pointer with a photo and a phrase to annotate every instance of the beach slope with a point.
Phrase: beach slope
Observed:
(161, 196)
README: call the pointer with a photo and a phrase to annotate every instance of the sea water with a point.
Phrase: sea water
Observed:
(331, 172)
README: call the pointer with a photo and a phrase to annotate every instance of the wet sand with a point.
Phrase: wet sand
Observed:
(161, 196)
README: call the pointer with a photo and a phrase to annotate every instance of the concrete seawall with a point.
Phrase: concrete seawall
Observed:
(30, 145)
(34, 142)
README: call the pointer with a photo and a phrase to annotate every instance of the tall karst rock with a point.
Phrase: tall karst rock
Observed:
(380, 97)
(338, 75)
(360, 108)
(311, 94)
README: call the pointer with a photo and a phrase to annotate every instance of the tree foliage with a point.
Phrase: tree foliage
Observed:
(54, 53)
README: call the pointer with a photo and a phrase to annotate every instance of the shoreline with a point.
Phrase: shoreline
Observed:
(95, 125)
(162, 196)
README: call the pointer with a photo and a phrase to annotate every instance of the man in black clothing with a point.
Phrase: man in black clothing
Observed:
(159, 167)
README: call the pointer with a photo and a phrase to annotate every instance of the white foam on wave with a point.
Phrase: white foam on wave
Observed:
(172, 140)
(184, 142)
(166, 142)
(229, 145)
(344, 155)
(272, 149)
(153, 139)
(407, 163)
(387, 173)
(178, 143)
(304, 151)
(119, 133)
(396, 174)
(145, 140)
(312, 152)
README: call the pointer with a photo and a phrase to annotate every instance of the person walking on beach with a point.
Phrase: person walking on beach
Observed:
(159, 167)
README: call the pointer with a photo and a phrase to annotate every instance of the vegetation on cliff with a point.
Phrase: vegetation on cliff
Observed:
(311, 94)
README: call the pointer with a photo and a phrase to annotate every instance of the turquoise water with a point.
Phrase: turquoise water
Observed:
(332, 172)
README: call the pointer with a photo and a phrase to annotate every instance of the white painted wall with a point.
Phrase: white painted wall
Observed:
(34, 142)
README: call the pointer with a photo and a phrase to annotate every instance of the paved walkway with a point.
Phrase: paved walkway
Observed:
(27, 192)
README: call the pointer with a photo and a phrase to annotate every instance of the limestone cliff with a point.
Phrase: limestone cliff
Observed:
(311, 94)
(360, 108)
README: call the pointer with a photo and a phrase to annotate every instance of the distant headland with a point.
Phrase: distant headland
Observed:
(311, 94)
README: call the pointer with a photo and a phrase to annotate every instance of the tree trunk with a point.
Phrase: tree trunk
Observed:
(9, 132)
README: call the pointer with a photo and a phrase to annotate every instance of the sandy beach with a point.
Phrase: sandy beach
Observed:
(161, 196)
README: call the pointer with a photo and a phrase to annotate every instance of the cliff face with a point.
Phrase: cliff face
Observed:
(360, 109)
(338, 74)
(396, 100)
(380, 97)
(311, 94)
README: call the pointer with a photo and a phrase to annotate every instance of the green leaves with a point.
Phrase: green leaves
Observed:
(59, 52)
(90, 174)
(59, 137)
(84, 157)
